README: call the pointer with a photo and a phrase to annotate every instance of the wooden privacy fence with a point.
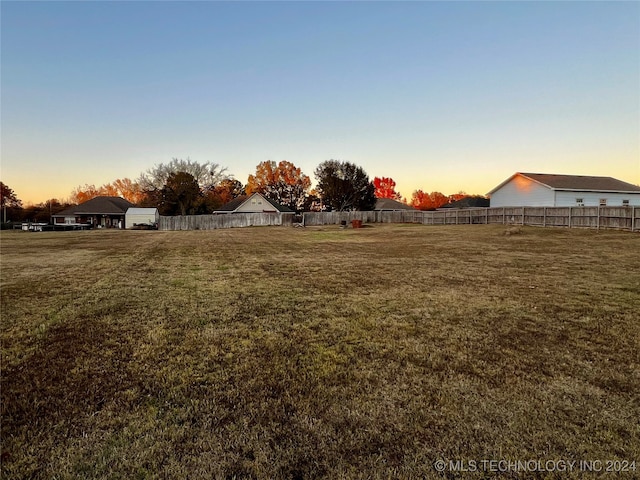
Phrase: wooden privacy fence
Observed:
(231, 220)
(627, 218)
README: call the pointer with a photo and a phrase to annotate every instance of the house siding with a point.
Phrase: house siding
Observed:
(521, 191)
(592, 199)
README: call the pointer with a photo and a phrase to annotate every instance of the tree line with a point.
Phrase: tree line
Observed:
(186, 187)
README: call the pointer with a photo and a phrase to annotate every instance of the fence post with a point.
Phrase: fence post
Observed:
(523, 215)
(633, 218)
(598, 219)
(570, 208)
(544, 216)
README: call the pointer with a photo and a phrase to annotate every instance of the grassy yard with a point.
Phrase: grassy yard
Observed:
(318, 352)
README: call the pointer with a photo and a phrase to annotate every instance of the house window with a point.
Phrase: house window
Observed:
(579, 202)
(625, 203)
(253, 201)
(603, 202)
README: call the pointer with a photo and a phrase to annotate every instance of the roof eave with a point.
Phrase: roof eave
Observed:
(495, 189)
(511, 178)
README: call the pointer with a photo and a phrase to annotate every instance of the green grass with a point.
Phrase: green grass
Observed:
(317, 352)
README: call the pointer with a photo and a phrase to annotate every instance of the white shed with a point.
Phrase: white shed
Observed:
(141, 216)
(549, 190)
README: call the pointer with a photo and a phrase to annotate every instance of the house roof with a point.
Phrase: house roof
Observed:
(98, 206)
(237, 202)
(468, 202)
(576, 183)
(233, 204)
(390, 204)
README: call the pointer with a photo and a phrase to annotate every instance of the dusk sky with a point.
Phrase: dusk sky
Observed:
(440, 96)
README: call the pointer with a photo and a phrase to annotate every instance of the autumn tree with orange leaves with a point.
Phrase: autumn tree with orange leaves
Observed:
(122, 187)
(284, 183)
(428, 201)
(386, 188)
(224, 192)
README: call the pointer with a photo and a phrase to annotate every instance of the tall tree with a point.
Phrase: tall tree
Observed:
(207, 175)
(129, 190)
(222, 193)
(122, 187)
(284, 183)
(181, 195)
(9, 197)
(428, 201)
(345, 186)
(266, 174)
(386, 188)
(10, 203)
(81, 194)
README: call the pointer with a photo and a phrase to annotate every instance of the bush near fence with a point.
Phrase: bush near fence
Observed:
(626, 218)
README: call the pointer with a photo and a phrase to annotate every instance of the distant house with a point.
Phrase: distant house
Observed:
(390, 205)
(254, 203)
(100, 212)
(549, 190)
(469, 202)
(135, 217)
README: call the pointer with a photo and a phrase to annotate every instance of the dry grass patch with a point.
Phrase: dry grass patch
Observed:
(317, 352)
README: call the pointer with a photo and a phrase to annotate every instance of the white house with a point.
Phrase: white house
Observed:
(548, 190)
(141, 216)
(254, 203)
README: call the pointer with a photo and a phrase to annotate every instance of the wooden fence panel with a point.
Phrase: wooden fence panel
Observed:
(557, 216)
(584, 217)
(335, 218)
(616, 217)
(232, 220)
(534, 216)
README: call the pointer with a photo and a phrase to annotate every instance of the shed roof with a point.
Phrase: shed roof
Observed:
(141, 211)
(576, 183)
(98, 206)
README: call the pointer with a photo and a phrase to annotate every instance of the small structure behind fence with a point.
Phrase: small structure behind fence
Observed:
(626, 218)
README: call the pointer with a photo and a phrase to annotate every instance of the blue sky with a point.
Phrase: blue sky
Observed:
(443, 96)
